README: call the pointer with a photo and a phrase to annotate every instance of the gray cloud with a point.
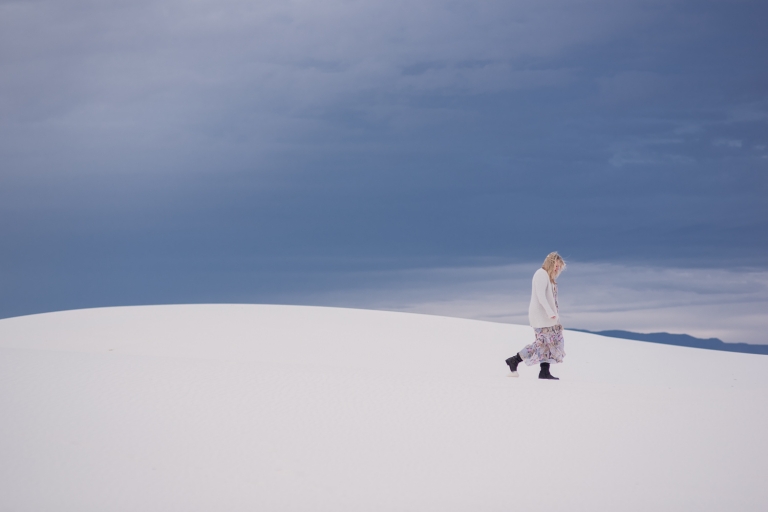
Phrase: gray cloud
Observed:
(145, 146)
(729, 304)
(239, 79)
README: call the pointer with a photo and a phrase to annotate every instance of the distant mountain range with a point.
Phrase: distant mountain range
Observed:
(684, 340)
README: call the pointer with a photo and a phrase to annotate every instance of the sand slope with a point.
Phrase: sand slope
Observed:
(284, 408)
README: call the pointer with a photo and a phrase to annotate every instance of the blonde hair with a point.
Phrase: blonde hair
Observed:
(549, 265)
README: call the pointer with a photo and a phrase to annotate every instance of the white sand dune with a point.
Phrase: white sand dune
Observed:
(282, 408)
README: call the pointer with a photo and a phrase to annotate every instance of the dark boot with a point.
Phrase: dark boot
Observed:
(513, 362)
(544, 372)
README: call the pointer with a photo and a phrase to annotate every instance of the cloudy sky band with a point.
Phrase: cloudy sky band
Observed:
(154, 150)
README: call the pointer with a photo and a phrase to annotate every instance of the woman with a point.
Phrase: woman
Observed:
(549, 346)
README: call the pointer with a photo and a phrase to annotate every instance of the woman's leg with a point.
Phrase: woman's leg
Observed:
(513, 362)
(544, 372)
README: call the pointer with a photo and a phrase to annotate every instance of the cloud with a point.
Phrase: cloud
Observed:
(729, 143)
(632, 86)
(145, 144)
(728, 304)
(164, 84)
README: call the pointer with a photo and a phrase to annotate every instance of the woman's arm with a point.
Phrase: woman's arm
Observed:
(540, 281)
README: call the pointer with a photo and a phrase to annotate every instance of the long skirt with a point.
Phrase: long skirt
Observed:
(549, 346)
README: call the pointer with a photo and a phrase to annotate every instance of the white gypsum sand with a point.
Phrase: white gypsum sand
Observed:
(285, 408)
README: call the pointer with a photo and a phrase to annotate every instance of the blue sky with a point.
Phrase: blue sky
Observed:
(275, 151)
